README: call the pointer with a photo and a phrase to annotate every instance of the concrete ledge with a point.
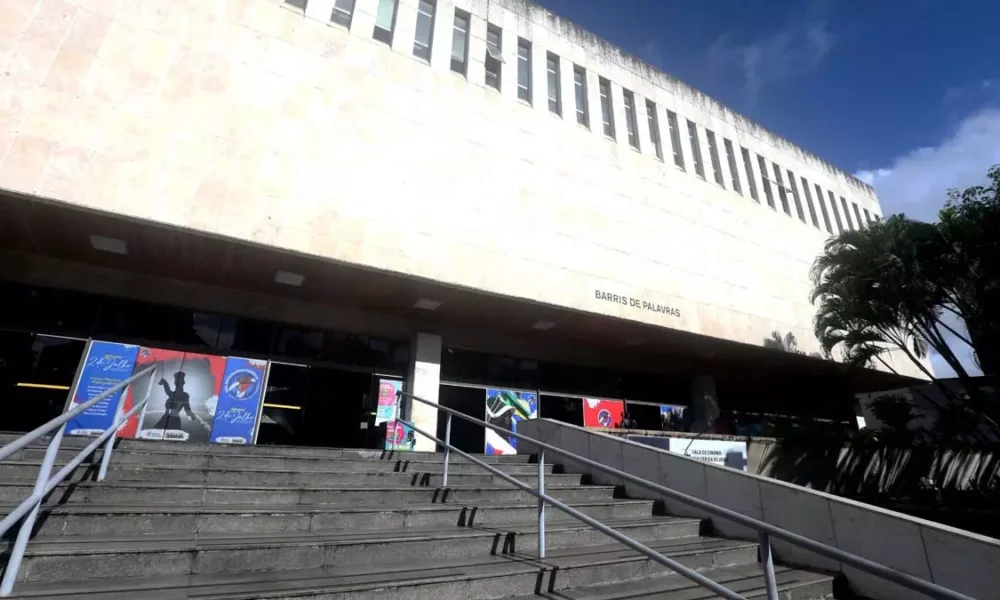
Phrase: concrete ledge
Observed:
(949, 557)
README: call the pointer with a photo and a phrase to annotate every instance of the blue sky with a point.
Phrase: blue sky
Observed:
(903, 93)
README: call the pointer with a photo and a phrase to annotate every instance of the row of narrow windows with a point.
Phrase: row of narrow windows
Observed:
(773, 180)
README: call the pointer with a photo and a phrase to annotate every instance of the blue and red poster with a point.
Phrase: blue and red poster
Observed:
(106, 365)
(239, 401)
(602, 413)
(505, 408)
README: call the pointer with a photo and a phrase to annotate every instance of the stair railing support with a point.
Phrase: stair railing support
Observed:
(541, 503)
(447, 449)
(767, 565)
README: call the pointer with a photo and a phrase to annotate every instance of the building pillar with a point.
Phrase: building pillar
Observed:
(704, 403)
(424, 381)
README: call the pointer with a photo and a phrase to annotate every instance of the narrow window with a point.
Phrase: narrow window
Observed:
(876, 217)
(606, 115)
(713, 153)
(494, 56)
(847, 213)
(555, 91)
(765, 181)
(343, 12)
(299, 4)
(836, 213)
(795, 196)
(809, 203)
(782, 195)
(524, 70)
(385, 19)
(460, 43)
(734, 174)
(868, 216)
(654, 128)
(822, 208)
(424, 36)
(857, 215)
(699, 166)
(631, 126)
(580, 86)
(751, 180)
(675, 139)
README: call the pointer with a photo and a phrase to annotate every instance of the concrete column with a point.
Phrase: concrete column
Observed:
(642, 126)
(405, 28)
(476, 70)
(444, 23)
(618, 108)
(508, 70)
(363, 22)
(320, 10)
(539, 77)
(594, 103)
(704, 402)
(424, 381)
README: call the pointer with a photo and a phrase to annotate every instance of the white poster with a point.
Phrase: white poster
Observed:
(718, 452)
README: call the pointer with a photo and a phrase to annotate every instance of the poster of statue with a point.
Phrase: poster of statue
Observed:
(183, 396)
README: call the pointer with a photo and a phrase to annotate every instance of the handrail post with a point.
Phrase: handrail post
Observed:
(541, 503)
(28, 524)
(767, 565)
(447, 449)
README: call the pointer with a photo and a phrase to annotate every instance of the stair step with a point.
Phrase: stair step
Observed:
(265, 450)
(155, 457)
(72, 558)
(125, 492)
(483, 577)
(746, 580)
(118, 519)
(287, 477)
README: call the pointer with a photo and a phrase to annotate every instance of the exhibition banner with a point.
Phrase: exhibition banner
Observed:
(399, 437)
(602, 413)
(239, 401)
(184, 396)
(387, 409)
(106, 365)
(505, 408)
(724, 453)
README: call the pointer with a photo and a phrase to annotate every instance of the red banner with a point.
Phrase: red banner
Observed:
(602, 413)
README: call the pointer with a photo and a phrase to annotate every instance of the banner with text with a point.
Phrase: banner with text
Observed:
(387, 405)
(724, 453)
(106, 365)
(505, 408)
(399, 437)
(602, 413)
(239, 401)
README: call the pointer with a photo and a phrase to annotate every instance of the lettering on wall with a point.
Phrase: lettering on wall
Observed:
(636, 303)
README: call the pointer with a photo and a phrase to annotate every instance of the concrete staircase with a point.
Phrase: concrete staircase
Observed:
(178, 521)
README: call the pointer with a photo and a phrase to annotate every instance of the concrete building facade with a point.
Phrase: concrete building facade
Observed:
(482, 148)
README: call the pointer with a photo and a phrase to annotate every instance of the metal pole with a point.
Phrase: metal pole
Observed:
(447, 449)
(767, 565)
(14, 562)
(119, 409)
(541, 503)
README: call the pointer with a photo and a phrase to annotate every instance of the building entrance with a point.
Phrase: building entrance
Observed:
(36, 372)
(319, 406)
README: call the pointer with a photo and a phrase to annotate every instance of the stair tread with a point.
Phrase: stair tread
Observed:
(746, 580)
(380, 576)
(187, 508)
(14, 482)
(72, 544)
(278, 469)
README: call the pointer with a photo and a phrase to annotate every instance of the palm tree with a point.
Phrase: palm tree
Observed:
(879, 290)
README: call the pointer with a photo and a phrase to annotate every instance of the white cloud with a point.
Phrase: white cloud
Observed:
(916, 183)
(794, 51)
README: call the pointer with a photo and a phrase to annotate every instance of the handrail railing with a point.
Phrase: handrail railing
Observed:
(765, 530)
(27, 510)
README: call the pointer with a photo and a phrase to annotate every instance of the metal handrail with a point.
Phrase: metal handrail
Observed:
(27, 510)
(765, 530)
